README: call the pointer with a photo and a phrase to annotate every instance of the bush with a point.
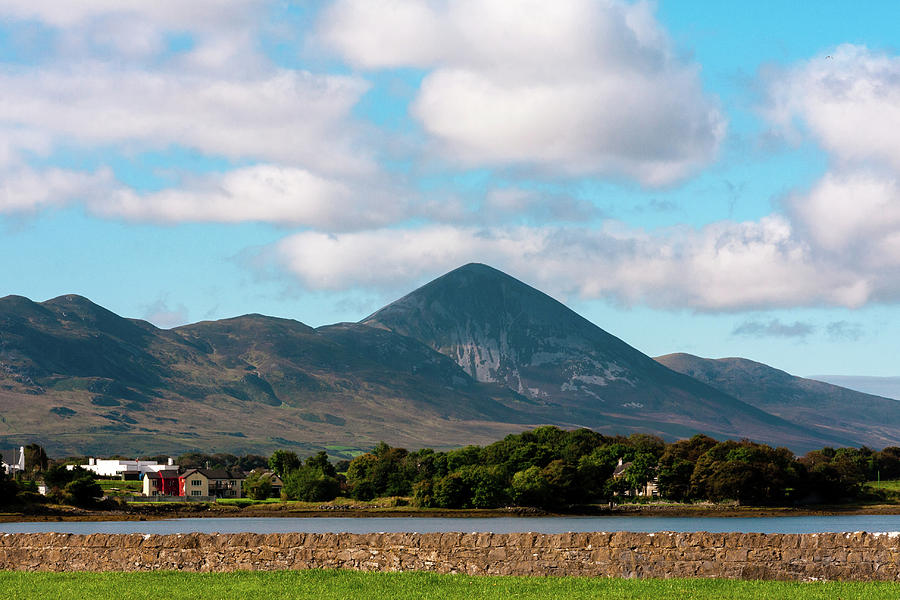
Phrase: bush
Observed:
(310, 484)
(82, 491)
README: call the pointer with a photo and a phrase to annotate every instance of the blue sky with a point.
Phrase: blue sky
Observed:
(720, 179)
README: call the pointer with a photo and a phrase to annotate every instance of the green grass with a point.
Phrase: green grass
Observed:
(891, 485)
(131, 486)
(248, 501)
(390, 502)
(350, 585)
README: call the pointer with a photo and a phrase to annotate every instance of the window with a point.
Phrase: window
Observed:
(195, 492)
(196, 482)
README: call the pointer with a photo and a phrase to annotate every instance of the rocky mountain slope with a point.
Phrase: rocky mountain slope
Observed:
(872, 420)
(500, 330)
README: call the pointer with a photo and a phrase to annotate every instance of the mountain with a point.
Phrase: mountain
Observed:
(872, 420)
(887, 387)
(465, 359)
(500, 330)
(80, 379)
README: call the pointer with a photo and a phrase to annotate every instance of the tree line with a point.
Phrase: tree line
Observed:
(546, 467)
(556, 469)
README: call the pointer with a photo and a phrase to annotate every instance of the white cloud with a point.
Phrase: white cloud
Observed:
(286, 116)
(114, 86)
(849, 101)
(25, 190)
(260, 193)
(856, 211)
(724, 266)
(572, 87)
(175, 14)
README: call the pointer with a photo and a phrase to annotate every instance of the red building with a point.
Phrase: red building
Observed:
(161, 483)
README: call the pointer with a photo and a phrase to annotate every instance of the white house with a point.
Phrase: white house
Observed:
(124, 469)
(17, 464)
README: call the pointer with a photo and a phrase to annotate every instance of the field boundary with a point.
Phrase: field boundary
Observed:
(795, 557)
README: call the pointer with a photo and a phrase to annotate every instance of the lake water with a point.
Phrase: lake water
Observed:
(871, 523)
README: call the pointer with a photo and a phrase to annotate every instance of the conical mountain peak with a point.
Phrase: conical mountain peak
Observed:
(500, 329)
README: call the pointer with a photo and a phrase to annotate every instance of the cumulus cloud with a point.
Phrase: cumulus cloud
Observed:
(834, 244)
(854, 213)
(24, 190)
(260, 193)
(773, 328)
(169, 13)
(849, 101)
(114, 85)
(287, 116)
(573, 87)
(723, 266)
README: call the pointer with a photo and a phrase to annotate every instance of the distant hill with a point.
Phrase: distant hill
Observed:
(80, 379)
(500, 330)
(467, 358)
(888, 387)
(870, 419)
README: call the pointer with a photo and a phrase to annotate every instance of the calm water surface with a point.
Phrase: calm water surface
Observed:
(497, 525)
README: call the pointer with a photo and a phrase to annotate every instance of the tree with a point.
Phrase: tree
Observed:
(82, 491)
(676, 466)
(283, 462)
(359, 478)
(320, 461)
(675, 479)
(486, 486)
(310, 484)
(530, 488)
(58, 476)
(423, 494)
(641, 470)
(463, 457)
(747, 472)
(451, 491)
(258, 485)
(646, 443)
(35, 458)
(248, 462)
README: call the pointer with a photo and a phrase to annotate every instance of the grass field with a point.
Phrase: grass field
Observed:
(350, 585)
(125, 486)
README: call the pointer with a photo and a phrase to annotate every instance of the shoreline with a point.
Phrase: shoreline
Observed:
(150, 512)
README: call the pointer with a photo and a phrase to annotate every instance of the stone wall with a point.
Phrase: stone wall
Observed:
(854, 556)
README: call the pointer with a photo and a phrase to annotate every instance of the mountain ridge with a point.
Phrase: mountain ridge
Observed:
(873, 420)
(467, 358)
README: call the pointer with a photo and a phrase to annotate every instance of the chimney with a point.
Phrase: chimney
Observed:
(171, 462)
(91, 461)
(620, 462)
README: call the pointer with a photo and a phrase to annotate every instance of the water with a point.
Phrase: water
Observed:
(870, 523)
